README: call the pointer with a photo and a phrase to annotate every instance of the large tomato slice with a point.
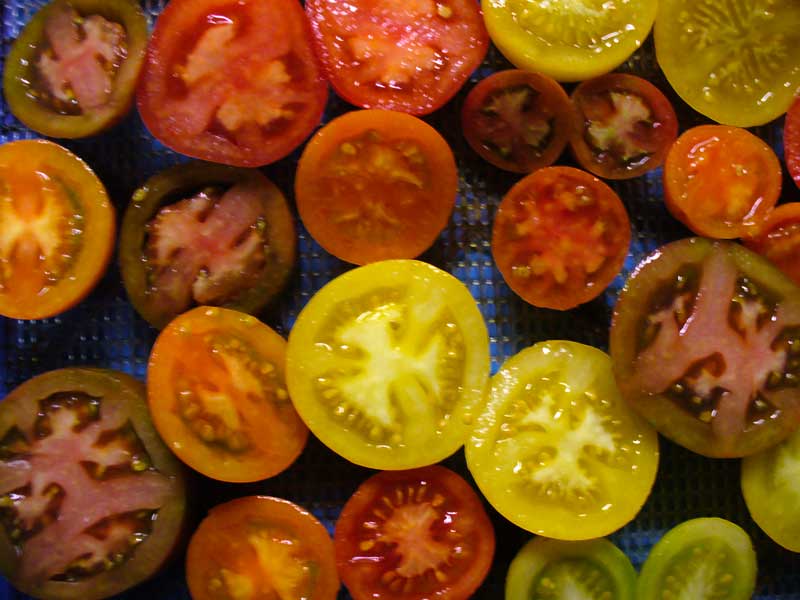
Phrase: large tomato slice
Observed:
(705, 338)
(91, 501)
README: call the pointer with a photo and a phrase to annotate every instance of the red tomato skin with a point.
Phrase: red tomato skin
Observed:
(778, 240)
(791, 141)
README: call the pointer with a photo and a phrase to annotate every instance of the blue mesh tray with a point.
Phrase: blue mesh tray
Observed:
(104, 330)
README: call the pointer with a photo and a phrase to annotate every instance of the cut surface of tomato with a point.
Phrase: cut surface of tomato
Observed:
(414, 535)
(560, 236)
(778, 239)
(791, 141)
(557, 451)
(387, 364)
(704, 338)
(261, 547)
(376, 185)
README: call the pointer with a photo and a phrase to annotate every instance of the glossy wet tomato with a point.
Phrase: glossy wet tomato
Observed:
(557, 451)
(731, 60)
(261, 547)
(232, 82)
(91, 501)
(73, 70)
(388, 363)
(560, 237)
(217, 392)
(791, 141)
(414, 535)
(720, 181)
(702, 340)
(626, 126)
(374, 184)
(778, 239)
(56, 229)
(200, 233)
(518, 121)
(408, 56)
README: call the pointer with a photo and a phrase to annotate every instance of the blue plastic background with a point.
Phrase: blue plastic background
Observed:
(105, 331)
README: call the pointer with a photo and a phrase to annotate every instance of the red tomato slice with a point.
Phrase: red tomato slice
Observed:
(414, 535)
(232, 82)
(779, 239)
(406, 55)
(791, 141)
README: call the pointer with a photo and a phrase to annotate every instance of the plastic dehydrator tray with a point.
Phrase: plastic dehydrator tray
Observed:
(105, 331)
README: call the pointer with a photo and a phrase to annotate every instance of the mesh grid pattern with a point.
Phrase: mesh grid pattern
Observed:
(105, 331)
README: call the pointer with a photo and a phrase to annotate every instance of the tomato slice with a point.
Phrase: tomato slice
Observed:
(91, 501)
(232, 81)
(261, 547)
(791, 141)
(398, 55)
(207, 234)
(518, 121)
(412, 535)
(72, 71)
(557, 451)
(375, 185)
(388, 363)
(720, 181)
(704, 337)
(731, 60)
(778, 239)
(560, 237)
(56, 229)
(627, 126)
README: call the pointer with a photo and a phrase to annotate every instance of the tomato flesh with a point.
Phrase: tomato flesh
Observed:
(791, 141)
(778, 239)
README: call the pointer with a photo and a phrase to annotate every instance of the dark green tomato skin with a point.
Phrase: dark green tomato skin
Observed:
(21, 63)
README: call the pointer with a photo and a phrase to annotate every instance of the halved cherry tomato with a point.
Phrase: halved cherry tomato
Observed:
(73, 70)
(778, 239)
(721, 182)
(626, 126)
(261, 547)
(414, 535)
(232, 82)
(408, 56)
(560, 237)
(375, 184)
(791, 141)
(518, 121)
(217, 392)
(388, 363)
(56, 229)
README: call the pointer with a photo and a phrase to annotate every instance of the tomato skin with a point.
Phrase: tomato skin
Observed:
(791, 141)
(778, 239)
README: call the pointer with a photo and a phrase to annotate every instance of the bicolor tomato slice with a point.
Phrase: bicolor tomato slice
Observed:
(778, 239)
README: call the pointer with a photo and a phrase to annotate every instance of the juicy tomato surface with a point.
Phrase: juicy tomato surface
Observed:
(704, 337)
(557, 451)
(217, 392)
(778, 239)
(720, 181)
(388, 363)
(207, 234)
(72, 71)
(591, 569)
(375, 185)
(233, 82)
(569, 41)
(409, 56)
(91, 501)
(626, 126)
(560, 237)
(518, 121)
(56, 229)
(791, 141)
(701, 558)
(421, 534)
(731, 60)
(261, 547)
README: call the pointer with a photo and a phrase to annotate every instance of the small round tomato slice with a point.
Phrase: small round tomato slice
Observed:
(778, 239)
(261, 547)
(217, 392)
(56, 229)
(720, 181)
(388, 363)
(560, 237)
(232, 82)
(557, 451)
(375, 185)
(626, 126)
(408, 56)
(518, 121)
(791, 141)
(412, 535)
(704, 338)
